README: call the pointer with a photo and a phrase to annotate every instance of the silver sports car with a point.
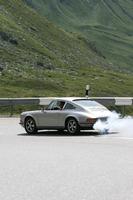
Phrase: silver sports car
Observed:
(71, 114)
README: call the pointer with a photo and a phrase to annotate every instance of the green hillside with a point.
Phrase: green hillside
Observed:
(108, 24)
(39, 59)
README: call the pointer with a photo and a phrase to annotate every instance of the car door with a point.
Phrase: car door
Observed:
(49, 118)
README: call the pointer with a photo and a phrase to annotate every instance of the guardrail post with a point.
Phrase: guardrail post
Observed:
(11, 110)
(123, 110)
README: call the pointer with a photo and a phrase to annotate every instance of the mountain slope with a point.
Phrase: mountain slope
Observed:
(31, 49)
(39, 59)
(34, 34)
(108, 24)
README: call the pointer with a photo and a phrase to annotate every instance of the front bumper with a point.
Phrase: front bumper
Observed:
(21, 123)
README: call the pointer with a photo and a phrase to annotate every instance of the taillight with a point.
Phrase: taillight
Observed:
(91, 120)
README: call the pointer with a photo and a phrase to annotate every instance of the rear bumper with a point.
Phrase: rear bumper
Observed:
(86, 126)
(91, 123)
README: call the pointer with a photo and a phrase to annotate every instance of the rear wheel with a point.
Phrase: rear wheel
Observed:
(72, 126)
(30, 125)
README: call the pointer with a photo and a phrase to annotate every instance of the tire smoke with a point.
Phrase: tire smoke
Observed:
(115, 123)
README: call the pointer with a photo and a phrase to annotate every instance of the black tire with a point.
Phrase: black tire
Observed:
(72, 126)
(30, 125)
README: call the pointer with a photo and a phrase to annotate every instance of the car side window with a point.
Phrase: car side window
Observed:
(56, 105)
(60, 104)
(51, 105)
(69, 107)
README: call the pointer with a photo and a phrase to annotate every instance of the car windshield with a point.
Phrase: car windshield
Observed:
(88, 103)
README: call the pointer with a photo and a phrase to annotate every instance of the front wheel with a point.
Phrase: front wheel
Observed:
(72, 126)
(30, 126)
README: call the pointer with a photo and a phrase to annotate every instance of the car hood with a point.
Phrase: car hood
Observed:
(30, 112)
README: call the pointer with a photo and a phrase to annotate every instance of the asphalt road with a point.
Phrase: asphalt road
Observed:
(53, 166)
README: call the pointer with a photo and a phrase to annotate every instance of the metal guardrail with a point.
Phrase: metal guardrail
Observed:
(118, 101)
(18, 101)
(107, 101)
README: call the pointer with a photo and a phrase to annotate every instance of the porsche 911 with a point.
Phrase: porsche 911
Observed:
(70, 114)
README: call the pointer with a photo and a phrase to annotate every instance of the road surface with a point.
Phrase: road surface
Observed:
(53, 166)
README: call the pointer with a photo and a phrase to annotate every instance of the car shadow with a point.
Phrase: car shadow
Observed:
(64, 134)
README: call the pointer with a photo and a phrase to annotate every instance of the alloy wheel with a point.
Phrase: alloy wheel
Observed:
(30, 126)
(72, 126)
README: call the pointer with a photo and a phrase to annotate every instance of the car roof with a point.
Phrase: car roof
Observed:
(46, 101)
(71, 98)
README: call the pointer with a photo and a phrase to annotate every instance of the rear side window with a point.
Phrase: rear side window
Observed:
(69, 107)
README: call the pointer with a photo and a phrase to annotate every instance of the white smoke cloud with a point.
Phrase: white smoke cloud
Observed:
(116, 123)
